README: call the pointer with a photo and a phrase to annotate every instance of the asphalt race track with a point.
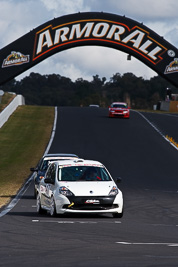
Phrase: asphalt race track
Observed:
(146, 236)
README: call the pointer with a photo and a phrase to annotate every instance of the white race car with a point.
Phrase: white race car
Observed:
(40, 170)
(79, 186)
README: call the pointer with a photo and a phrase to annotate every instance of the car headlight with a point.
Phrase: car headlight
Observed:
(126, 111)
(65, 191)
(114, 191)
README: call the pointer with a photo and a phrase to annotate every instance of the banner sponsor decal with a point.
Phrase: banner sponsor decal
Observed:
(15, 58)
(136, 38)
(172, 67)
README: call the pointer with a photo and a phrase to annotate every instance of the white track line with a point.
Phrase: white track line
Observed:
(152, 243)
(156, 129)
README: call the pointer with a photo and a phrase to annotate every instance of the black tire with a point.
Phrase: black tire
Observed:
(52, 211)
(118, 215)
(35, 194)
(38, 205)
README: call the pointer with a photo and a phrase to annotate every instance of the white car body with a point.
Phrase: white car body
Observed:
(80, 194)
(40, 170)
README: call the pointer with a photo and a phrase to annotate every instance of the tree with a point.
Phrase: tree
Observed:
(57, 90)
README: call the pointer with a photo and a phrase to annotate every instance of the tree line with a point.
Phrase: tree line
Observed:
(57, 90)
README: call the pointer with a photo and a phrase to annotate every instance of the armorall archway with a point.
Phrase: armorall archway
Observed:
(90, 28)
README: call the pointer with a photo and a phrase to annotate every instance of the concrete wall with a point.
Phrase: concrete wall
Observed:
(171, 106)
(5, 114)
(165, 105)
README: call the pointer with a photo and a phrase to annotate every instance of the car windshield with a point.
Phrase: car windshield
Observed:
(119, 106)
(83, 173)
(45, 164)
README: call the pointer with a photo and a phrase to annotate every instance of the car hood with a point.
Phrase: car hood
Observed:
(84, 188)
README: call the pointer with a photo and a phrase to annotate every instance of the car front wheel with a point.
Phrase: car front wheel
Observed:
(118, 215)
(52, 207)
(38, 205)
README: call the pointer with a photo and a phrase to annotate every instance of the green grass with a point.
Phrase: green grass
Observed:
(23, 140)
(5, 100)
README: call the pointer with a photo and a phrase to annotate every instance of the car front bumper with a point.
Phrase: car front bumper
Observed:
(91, 205)
(119, 114)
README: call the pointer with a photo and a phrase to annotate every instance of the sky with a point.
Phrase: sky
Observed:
(18, 17)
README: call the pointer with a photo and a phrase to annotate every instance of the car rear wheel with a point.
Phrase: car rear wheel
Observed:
(52, 207)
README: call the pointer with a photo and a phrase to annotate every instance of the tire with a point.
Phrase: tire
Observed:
(38, 205)
(35, 194)
(118, 215)
(52, 211)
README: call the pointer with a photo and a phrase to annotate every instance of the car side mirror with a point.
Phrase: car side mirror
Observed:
(48, 181)
(33, 169)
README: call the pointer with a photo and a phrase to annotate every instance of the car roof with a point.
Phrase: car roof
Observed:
(94, 106)
(79, 162)
(123, 103)
(59, 155)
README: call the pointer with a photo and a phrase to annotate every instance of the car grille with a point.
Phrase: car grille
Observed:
(91, 203)
(90, 207)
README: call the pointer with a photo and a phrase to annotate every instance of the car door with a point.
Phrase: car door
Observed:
(47, 186)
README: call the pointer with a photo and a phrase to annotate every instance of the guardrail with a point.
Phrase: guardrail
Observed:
(19, 100)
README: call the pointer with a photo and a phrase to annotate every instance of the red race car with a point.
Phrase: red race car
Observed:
(119, 109)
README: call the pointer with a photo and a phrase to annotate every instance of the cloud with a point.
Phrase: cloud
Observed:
(19, 17)
(85, 62)
(65, 6)
(172, 35)
(139, 9)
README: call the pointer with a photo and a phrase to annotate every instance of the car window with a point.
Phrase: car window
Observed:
(44, 165)
(51, 172)
(119, 106)
(48, 173)
(83, 173)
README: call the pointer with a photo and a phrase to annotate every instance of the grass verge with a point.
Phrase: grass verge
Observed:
(23, 139)
(6, 99)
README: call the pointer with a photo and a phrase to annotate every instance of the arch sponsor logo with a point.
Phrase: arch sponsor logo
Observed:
(172, 67)
(14, 59)
(136, 39)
